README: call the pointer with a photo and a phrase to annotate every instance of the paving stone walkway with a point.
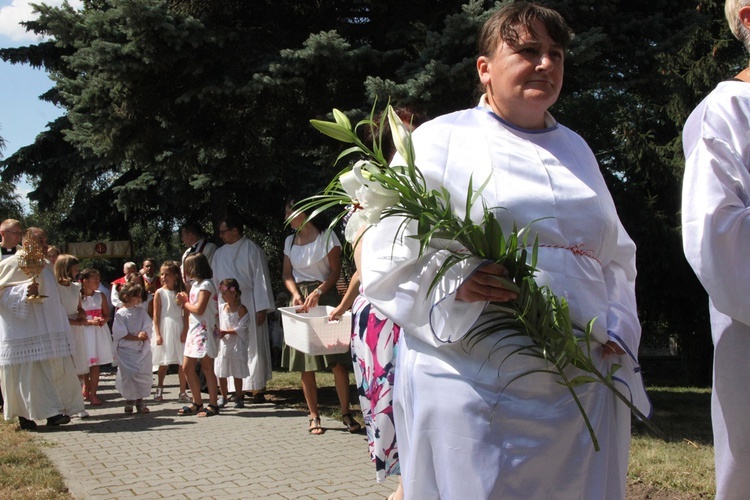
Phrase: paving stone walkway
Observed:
(260, 451)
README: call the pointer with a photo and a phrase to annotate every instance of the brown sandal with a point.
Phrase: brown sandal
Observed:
(315, 426)
(351, 425)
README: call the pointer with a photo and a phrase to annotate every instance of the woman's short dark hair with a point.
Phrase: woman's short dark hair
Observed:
(197, 266)
(504, 26)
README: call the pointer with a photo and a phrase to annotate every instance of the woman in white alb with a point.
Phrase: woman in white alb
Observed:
(461, 432)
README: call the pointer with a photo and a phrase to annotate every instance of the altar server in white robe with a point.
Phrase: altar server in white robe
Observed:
(462, 431)
(716, 239)
(242, 259)
(37, 372)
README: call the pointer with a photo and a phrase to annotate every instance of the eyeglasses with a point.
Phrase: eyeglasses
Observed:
(222, 231)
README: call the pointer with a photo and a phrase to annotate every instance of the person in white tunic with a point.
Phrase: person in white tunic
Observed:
(716, 235)
(462, 431)
(37, 372)
(131, 333)
(242, 259)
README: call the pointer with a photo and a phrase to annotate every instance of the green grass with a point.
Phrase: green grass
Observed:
(25, 471)
(684, 466)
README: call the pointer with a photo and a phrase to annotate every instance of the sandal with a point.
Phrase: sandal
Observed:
(351, 425)
(142, 408)
(209, 411)
(159, 397)
(315, 427)
(128, 407)
(189, 410)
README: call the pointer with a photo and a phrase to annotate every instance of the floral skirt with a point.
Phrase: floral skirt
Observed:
(374, 349)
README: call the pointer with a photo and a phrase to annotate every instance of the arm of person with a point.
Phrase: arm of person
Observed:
(157, 318)
(334, 261)
(398, 282)
(289, 282)
(200, 304)
(716, 223)
(348, 299)
(185, 327)
(105, 310)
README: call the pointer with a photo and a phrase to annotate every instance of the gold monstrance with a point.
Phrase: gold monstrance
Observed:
(31, 261)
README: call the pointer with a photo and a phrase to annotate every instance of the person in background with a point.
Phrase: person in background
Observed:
(170, 329)
(202, 343)
(66, 273)
(242, 259)
(131, 333)
(194, 238)
(490, 433)
(37, 372)
(114, 296)
(150, 278)
(716, 236)
(52, 254)
(97, 334)
(312, 264)
(10, 230)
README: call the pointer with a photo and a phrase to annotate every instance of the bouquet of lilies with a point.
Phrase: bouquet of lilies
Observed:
(539, 319)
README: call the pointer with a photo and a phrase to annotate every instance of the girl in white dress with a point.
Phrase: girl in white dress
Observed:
(97, 337)
(66, 269)
(232, 359)
(202, 342)
(170, 328)
(131, 332)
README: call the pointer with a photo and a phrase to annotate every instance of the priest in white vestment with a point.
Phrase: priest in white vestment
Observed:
(37, 373)
(242, 259)
(716, 238)
(463, 430)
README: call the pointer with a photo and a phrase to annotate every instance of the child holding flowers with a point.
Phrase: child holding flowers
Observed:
(96, 334)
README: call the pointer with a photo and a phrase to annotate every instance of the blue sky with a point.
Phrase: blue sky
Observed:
(22, 114)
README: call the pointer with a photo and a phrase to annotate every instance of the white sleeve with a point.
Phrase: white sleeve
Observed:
(14, 300)
(716, 224)
(396, 281)
(119, 329)
(623, 324)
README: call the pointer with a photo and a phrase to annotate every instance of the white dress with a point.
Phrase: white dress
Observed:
(203, 330)
(134, 378)
(716, 235)
(171, 350)
(461, 432)
(70, 296)
(98, 339)
(232, 359)
(246, 262)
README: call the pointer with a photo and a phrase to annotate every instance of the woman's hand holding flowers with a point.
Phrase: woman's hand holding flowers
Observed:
(483, 285)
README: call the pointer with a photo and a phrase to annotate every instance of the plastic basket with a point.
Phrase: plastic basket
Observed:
(311, 332)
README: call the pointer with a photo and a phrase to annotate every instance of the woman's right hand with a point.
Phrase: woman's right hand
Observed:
(483, 286)
(337, 313)
(297, 301)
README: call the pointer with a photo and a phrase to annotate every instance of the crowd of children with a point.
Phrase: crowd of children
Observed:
(154, 328)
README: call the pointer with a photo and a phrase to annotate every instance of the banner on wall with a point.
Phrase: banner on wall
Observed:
(100, 249)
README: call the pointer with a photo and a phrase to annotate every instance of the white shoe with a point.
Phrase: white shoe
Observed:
(221, 402)
(184, 398)
(82, 414)
(159, 396)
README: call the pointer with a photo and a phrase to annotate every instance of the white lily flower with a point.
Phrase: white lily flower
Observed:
(400, 134)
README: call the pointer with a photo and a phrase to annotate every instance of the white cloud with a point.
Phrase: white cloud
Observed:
(20, 10)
